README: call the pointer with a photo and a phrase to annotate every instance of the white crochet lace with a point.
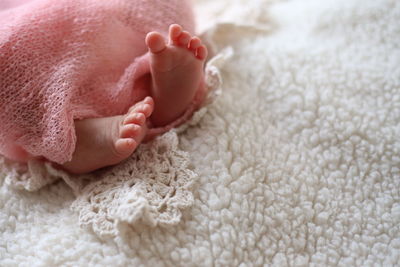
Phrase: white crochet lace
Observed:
(152, 186)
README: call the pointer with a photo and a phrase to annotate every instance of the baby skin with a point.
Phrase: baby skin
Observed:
(177, 72)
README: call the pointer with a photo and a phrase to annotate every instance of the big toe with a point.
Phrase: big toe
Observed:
(125, 146)
(155, 42)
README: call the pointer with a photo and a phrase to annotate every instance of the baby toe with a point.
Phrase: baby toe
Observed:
(148, 100)
(175, 31)
(145, 109)
(184, 39)
(148, 106)
(155, 42)
(125, 146)
(130, 131)
(201, 52)
(194, 43)
(135, 118)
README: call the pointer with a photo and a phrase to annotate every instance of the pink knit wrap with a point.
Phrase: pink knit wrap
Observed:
(62, 60)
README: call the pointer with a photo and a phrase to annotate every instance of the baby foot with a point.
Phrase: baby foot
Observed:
(107, 141)
(177, 72)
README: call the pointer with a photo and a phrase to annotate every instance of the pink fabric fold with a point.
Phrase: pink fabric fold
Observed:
(62, 60)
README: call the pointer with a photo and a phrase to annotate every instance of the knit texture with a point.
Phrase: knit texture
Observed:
(66, 60)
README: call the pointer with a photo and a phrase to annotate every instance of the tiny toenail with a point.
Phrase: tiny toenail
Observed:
(140, 117)
(130, 141)
(183, 40)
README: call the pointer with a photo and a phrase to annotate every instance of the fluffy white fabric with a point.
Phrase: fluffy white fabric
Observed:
(298, 161)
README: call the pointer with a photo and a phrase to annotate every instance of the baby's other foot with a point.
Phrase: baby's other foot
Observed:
(107, 141)
(177, 72)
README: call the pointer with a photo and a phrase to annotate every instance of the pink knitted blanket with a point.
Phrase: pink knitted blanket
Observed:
(62, 60)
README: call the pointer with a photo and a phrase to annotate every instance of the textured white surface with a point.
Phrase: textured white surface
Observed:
(298, 160)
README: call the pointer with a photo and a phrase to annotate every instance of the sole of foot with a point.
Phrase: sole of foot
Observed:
(177, 72)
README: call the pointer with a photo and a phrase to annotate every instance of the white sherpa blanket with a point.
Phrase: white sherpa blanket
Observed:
(296, 163)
